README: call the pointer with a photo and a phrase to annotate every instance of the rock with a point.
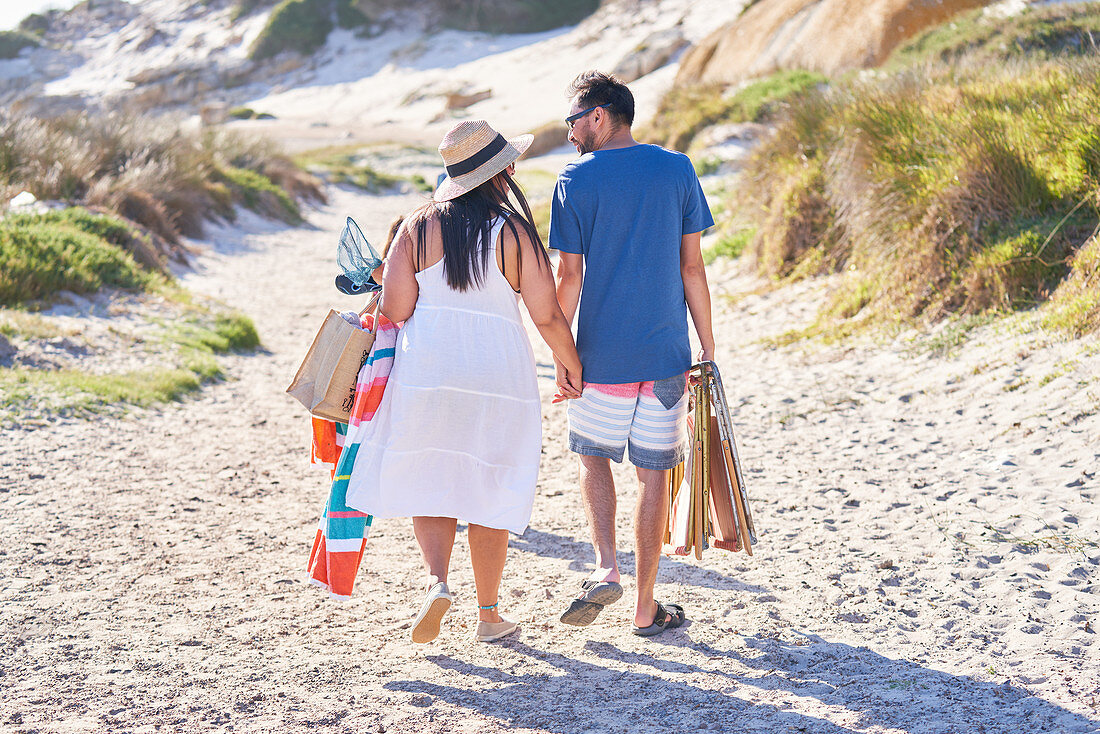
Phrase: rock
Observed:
(22, 199)
(548, 137)
(460, 101)
(651, 54)
(741, 133)
(214, 113)
(829, 36)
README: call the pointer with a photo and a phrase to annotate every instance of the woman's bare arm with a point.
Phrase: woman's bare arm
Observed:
(540, 296)
(399, 287)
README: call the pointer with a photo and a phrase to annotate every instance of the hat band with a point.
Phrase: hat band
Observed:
(478, 159)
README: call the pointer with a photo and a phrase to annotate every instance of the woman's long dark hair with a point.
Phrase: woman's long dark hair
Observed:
(466, 219)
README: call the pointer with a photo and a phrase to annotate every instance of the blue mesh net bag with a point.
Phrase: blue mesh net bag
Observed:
(357, 259)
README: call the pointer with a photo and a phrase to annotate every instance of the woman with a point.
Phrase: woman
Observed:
(458, 434)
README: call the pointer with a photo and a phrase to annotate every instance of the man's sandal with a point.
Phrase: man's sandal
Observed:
(668, 616)
(594, 596)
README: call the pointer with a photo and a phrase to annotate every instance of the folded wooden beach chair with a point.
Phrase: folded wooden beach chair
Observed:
(708, 504)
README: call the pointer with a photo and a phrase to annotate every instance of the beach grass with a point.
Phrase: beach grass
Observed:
(71, 392)
(346, 166)
(14, 322)
(82, 252)
(948, 189)
(186, 348)
(730, 244)
(149, 171)
(684, 112)
(979, 37)
(42, 254)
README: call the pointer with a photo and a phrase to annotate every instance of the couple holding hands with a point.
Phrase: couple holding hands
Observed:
(458, 434)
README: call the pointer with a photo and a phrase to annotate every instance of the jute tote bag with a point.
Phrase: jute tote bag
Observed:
(325, 383)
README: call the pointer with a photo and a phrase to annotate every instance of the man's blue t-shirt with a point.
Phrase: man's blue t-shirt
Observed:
(625, 210)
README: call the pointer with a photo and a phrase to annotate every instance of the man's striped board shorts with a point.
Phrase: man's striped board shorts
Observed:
(648, 418)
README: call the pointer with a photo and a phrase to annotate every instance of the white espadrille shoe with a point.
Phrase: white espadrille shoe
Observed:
(426, 626)
(489, 631)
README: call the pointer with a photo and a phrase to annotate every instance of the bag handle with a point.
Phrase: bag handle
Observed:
(376, 304)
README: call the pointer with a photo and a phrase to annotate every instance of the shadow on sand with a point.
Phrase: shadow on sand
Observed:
(552, 545)
(753, 688)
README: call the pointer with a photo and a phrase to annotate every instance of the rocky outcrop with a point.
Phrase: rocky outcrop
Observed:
(548, 137)
(650, 55)
(829, 36)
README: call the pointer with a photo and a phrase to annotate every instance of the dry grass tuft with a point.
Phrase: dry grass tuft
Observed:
(149, 171)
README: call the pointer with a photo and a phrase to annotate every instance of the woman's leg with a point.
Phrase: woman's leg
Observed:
(436, 537)
(488, 550)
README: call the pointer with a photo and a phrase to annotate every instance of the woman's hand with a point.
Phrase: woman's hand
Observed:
(568, 381)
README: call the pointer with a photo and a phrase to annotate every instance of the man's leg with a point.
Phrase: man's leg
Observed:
(598, 492)
(599, 425)
(650, 516)
(656, 444)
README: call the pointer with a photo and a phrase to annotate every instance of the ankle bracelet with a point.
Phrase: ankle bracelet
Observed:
(491, 606)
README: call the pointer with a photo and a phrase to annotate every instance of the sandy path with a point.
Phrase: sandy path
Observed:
(927, 557)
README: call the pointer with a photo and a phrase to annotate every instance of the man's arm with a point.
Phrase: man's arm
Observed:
(570, 276)
(694, 274)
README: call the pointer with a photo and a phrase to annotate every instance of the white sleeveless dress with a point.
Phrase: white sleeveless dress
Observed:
(458, 432)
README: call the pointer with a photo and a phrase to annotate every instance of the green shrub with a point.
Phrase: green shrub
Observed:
(422, 184)
(348, 15)
(346, 166)
(954, 188)
(257, 192)
(242, 113)
(729, 245)
(515, 16)
(185, 352)
(294, 25)
(35, 24)
(12, 42)
(41, 255)
(247, 7)
(1034, 34)
(1075, 306)
(707, 166)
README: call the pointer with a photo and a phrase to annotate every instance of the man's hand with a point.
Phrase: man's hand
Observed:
(706, 354)
(569, 383)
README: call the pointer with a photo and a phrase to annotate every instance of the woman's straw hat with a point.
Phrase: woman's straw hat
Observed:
(473, 153)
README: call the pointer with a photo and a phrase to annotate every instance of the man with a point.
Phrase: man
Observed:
(626, 219)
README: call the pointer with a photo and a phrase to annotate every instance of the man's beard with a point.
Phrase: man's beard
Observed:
(587, 144)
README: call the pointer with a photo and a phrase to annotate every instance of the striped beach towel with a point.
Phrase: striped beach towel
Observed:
(342, 533)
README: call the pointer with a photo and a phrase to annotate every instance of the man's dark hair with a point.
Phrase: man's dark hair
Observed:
(593, 88)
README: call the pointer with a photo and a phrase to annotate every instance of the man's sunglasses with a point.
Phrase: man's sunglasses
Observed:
(572, 119)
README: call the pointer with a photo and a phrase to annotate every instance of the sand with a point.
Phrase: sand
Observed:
(928, 556)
